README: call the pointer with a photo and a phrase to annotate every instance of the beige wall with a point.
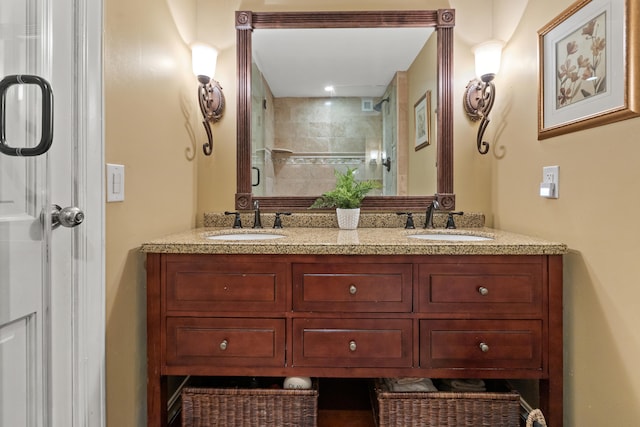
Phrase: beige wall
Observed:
(594, 216)
(151, 120)
(422, 77)
(217, 173)
(150, 109)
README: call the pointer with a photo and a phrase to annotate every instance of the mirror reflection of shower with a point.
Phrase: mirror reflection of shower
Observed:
(316, 136)
(389, 144)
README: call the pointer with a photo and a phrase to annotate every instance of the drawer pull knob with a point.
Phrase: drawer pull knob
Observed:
(484, 347)
(223, 345)
(352, 345)
(353, 289)
(483, 291)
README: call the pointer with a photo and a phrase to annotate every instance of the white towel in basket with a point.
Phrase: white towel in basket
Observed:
(463, 385)
(410, 384)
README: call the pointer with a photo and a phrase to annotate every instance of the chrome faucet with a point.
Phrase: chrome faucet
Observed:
(257, 223)
(428, 221)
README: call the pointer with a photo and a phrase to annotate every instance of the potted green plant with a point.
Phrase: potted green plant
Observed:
(346, 197)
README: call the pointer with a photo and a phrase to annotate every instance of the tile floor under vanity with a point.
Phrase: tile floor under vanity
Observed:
(344, 402)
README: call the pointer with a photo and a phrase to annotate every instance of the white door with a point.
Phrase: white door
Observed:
(51, 281)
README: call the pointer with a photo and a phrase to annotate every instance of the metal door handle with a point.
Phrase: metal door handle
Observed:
(66, 217)
(258, 171)
(47, 116)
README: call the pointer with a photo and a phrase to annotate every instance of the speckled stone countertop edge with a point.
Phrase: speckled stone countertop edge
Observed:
(362, 241)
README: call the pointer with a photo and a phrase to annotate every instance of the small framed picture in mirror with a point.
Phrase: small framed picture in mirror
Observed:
(422, 120)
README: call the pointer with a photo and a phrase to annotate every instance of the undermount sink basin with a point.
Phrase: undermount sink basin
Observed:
(450, 237)
(245, 236)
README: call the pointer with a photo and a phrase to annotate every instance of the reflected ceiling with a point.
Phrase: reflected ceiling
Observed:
(358, 62)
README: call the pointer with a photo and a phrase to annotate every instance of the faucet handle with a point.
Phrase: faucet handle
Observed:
(409, 223)
(450, 222)
(277, 223)
(236, 220)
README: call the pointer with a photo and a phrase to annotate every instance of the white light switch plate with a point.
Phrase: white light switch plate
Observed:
(115, 183)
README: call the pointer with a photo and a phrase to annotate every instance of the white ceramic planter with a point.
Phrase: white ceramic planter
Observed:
(348, 218)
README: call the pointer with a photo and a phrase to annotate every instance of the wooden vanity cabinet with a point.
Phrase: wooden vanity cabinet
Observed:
(453, 316)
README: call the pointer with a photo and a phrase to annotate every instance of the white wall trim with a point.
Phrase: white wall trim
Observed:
(89, 388)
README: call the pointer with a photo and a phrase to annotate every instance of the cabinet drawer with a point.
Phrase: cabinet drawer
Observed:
(225, 342)
(469, 344)
(352, 342)
(352, 287)
(223, 287)
(481, 288)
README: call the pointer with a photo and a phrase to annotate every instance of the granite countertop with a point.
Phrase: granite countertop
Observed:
(363, 241)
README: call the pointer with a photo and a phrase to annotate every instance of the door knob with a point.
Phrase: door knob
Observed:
(67, 217)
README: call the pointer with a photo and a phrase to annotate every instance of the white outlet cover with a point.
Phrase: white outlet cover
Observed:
(551, 175)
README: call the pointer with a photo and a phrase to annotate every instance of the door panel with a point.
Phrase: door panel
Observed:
(16, 364)
(24, 291)
(24, 233)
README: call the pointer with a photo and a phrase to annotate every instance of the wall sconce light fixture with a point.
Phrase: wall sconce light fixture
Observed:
(210, 96)
(480, 93)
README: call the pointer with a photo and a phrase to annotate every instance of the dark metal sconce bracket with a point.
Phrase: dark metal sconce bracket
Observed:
(478, 102)
(212, 105)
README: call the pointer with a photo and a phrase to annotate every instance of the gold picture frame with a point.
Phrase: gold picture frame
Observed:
(589, 58)
(422, 121)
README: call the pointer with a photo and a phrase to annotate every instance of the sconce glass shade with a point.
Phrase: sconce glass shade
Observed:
(203, 59)
(488, 55)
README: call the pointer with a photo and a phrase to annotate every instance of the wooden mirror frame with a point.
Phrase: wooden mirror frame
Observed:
(442, 19)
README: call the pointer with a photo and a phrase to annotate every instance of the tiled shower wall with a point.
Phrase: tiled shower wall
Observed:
(315, 136)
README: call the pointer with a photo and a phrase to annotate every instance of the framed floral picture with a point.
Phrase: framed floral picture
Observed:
(588, 57)
(422, 119)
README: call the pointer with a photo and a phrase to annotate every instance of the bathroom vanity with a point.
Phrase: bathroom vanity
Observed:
(355, 304)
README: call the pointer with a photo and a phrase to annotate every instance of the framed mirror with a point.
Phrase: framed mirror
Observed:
(267, 96)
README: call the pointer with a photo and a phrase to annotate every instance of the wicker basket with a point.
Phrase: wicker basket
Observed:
(238, 407)
(445, 409)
